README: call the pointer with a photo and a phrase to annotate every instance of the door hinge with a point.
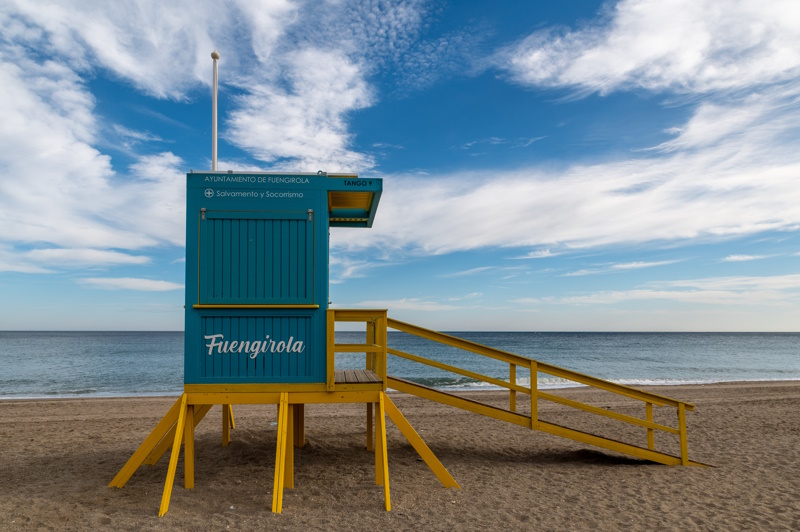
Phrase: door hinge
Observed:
(203, 213)
(310, 214)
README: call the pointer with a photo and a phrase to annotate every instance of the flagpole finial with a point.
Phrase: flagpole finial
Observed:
(215, 55)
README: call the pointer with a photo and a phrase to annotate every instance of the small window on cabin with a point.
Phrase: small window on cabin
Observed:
(256, 258)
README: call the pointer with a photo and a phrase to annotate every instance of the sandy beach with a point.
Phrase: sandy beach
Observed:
(59, 455)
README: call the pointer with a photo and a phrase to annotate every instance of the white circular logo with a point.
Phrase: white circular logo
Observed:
(209, 193)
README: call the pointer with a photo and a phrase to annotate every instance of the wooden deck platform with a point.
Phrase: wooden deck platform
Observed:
(356, 376)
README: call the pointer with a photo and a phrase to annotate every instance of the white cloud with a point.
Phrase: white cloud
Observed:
(538, 254)
(684, 45)
(82, 257)
(130, 283)
(764, 290)
(304, 123)
(406, 304)
(466, 273)
(743, 258)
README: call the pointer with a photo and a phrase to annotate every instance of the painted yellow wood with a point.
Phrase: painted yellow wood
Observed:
(370, 396)
(288, 467)
(235, 398)
(357, 348)
(682, 425)
(419, 445)
(544, 368)
(188, 449)
(226, 425)
(331, 315)
(166, 442)
(251, 388)
(512, 395)
(405, 386)
(459, 371)
(534, 395)
(370, 429)
(173, 460)
(230, 416)
(651, 440)
(382, 339)
(377, 447)
(466, 345)
(364, 315)
(371, 339)
(141, 454)
(607, 413)
(384, 456)
(280, 454)
(606, 443)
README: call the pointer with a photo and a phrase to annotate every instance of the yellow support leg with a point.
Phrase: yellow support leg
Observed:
(378, 454)
(512, 395)
(280, 453)
(166, 442)
(226, 425)
(419, 445)
(173, 460)
(288, 467)
(188, 449)
(230, 416)
(384, 457)
(146, 447)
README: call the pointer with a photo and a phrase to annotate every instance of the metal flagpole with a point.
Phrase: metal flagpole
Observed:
(215, 57)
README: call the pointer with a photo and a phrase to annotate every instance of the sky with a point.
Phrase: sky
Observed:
(547, 166)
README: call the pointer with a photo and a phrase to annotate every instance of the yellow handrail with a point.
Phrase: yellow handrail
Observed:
(536, 367)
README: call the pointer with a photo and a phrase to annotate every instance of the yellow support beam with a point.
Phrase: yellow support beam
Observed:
(280, 454)
(651, 442)
(173, 460)
(188, 449)
(331, 354)
(166, 442)
(384, 456)
(226, 425)
(147, 446)
(419, 445)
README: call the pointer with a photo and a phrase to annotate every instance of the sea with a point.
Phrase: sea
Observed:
(114, 364)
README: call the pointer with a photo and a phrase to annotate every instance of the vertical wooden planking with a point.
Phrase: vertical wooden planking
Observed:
(291, 274)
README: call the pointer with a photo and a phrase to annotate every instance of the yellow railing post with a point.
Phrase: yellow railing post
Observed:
(331, 349)
(534, 396)
(512, 395)
(651, 443)
(682, 429)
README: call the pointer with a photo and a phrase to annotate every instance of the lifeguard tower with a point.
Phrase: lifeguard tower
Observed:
(259, 330)
(258, 326)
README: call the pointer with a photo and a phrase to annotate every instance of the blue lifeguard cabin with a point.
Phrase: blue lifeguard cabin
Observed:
(257, 274)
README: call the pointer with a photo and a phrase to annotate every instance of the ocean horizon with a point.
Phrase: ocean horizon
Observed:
(63, 364)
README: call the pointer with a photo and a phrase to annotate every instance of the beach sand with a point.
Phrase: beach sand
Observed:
(58, 456)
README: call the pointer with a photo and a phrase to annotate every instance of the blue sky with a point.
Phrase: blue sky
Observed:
(547, 166)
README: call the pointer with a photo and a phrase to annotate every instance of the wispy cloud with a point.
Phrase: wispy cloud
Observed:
(466, 273)
(754, 290)
(638, 265)
(537, 254)
(407, 304)
(744, 258)
(130, 283)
